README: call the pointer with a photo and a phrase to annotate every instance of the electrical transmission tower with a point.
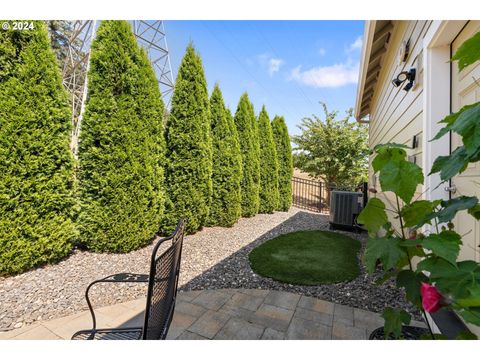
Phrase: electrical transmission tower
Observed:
(150, 35)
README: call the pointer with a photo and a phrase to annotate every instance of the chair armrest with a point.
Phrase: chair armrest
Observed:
(116, 278)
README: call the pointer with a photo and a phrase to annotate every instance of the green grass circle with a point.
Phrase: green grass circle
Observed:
(307, 258)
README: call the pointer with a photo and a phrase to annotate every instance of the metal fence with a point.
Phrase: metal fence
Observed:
(314, 195)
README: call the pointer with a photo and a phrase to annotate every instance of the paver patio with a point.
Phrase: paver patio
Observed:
(229, 314)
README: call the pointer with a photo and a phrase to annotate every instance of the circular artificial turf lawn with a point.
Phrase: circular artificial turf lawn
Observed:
(307, 258)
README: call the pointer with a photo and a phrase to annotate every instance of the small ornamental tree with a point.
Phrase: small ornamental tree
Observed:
(285, 162)
(245, 123)
(121, 150)
(439, 279)
(335, 150)
(226, 204)
(189, 148)
(269, 197)
(36, 166)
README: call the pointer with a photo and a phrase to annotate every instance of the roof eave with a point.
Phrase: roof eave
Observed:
(368, 36)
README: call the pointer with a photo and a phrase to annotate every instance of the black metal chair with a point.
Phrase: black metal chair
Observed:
(161, 295)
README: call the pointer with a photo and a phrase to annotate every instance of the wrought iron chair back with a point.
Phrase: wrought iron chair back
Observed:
(161, 294)
(162, 287)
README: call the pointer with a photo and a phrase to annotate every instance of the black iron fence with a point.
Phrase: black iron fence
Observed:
(314, 195)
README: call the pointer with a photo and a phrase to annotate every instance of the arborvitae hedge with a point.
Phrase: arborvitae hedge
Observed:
(189, 148)
(36, 167)
(269, 197)
(245, 123)
(285, 162)
(226, 206)
(121, 150)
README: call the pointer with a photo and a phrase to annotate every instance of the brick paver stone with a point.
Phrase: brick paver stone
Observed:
(212, 300)
(341, 331)
(343, 314)
(239, 329)
(271, 334)
(322, 318)
(272, 316)
(303, 329)
(209, 323)
(310, 303)
(282, 299)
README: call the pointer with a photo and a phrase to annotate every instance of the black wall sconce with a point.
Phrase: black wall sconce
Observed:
(405, 76)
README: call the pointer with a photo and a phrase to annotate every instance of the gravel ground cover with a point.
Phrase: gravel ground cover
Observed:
(213, 258)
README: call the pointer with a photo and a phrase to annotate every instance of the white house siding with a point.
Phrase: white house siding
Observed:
(395, 114)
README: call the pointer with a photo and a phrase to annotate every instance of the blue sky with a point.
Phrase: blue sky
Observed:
(287, 65)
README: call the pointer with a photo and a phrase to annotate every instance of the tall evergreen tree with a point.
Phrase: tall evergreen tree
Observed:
(269, 197)
(36, 166)
(189, 147)
(245, 123)
(285, 162)
(226, 205)
(121, 150)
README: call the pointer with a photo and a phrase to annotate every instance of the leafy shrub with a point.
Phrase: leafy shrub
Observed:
(189, 151)
(285, 162)
(269, 197)
(121, 150)
(226, 204)
(36, 166)
(439, 279)
(245, 123)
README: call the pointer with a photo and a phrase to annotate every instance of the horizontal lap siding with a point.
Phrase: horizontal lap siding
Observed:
(396, 115)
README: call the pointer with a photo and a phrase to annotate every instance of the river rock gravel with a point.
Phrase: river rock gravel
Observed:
(213, 258)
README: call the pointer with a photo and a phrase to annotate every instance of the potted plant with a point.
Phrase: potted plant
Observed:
(424, 233)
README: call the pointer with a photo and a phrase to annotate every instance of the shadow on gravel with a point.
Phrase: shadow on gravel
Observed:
(235, 272)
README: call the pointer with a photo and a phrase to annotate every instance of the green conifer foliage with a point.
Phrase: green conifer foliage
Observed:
(36, 166)
(245, 123)
(121, 150)
(189, 148)
(285, 162)
(226, 206)
(269, 197)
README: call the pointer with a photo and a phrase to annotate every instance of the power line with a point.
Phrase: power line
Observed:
(265, 40)
(242, 65)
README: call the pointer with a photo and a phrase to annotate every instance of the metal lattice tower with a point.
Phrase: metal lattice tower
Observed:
(150, 35)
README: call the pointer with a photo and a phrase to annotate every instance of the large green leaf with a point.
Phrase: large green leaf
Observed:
(450, 279)
(451, 207)
(445, 245)
(402, 178)
(468, 127)
(387, 154)
(385, 249)
(471, 315)
(415, 214)
(466, 335)
(452, 164)
(373, 216)
(450, 120)
(411, 282)
(390, 146)
(475, 211)
(468, 52)
(473, 299)
(394, 318)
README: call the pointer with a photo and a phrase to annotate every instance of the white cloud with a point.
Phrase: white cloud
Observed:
(331, 76)
(356, 45)
(272, 64)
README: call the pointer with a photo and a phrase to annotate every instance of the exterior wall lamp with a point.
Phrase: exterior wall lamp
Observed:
(405, 76)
